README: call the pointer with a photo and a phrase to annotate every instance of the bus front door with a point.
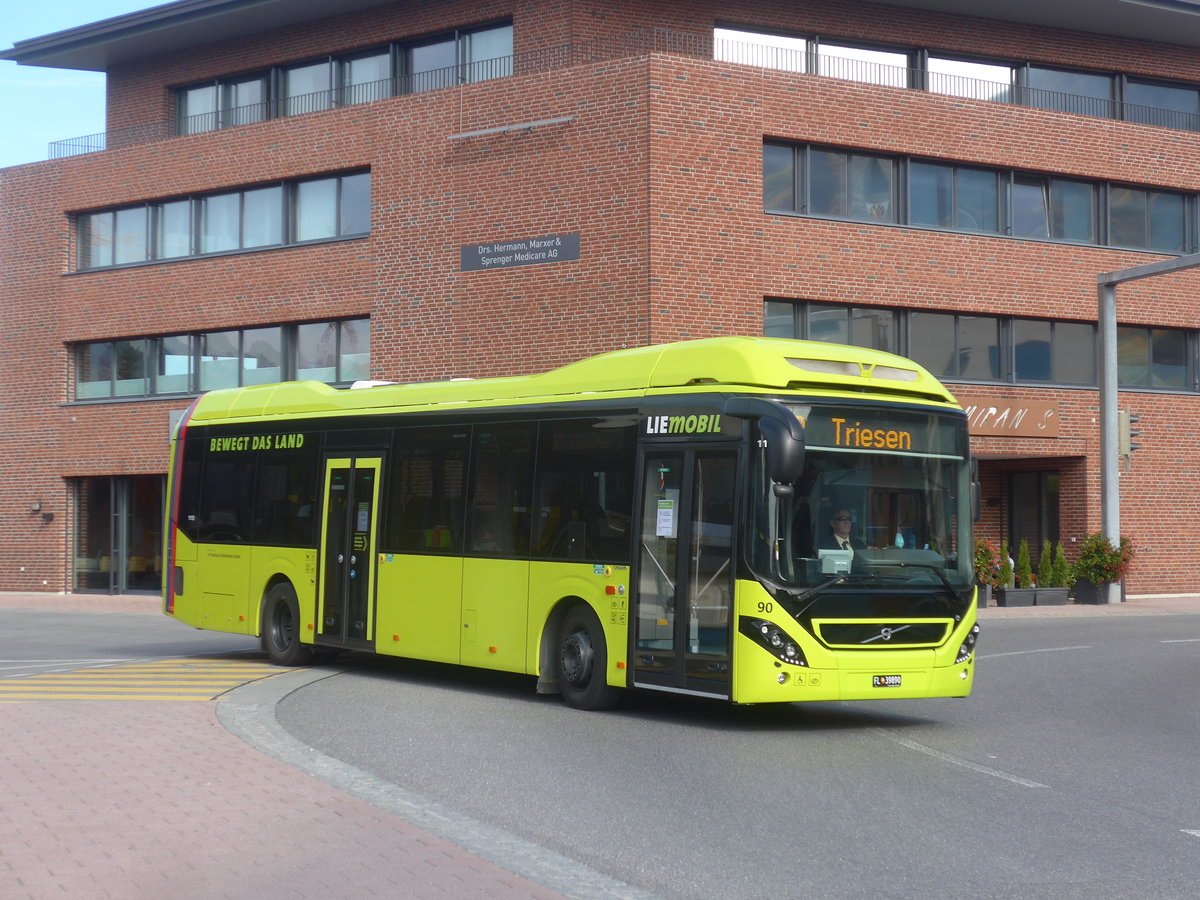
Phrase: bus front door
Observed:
(684, 591)
(347, 577)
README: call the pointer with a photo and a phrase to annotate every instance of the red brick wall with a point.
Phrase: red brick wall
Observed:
(659, 171)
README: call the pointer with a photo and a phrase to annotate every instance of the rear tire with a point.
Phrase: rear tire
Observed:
(583, 662)
(281, 627)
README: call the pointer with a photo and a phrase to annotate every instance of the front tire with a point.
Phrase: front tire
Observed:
(583, 662)
(281, 627)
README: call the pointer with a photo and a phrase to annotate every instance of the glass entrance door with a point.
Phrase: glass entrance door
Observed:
(118, 534)
(348, 549)
(684, 592)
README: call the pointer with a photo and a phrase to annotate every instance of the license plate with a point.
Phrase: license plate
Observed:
(885, 681)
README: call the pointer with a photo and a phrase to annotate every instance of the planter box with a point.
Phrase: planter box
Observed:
(1016, 597)
(1051, 596)
(983, 595)
(1086, 592)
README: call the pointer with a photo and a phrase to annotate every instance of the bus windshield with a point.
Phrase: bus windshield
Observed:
(882, 502)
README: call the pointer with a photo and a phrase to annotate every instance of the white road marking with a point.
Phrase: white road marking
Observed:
(1182, 641)
(957, 761)
(1043, 650)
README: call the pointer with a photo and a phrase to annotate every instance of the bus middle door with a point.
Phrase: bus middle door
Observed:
(684, 592)
(347, 556)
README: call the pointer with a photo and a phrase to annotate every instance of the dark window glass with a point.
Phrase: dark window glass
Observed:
(874, 328)
(220, 217)
(131, 368)
(1133, 356)
(1029, 212)
(976, 200)
(262, 355)
(1074, 353)
(1168, 359)
(93, 371)
(827, 183)
(354, 350)
(355, 204)
(432, 65)
(188, 509)
(584, 490)
(307, 88)
(1167, 222)
(779, 177)
(1072, 211)
(225, 516)
(851, 185)
(96, 240)
(262, 217)
(1146, 219)
(1161, 104)
(1031, 350)
(779, 320)
(174, 235)
(828, 323)
(244, 101)
(1074, 92)
(500, 490)
(931, 343)
(979, 347)
(316, 209)
(174, 374)
(930, 195)
(218, 360)
(424, 508)
(285, 497)
(130, 241)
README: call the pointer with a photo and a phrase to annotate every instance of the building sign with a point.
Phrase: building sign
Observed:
(998, 417)
(537, 251)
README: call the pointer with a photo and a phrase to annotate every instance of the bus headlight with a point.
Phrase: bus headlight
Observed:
(773, 639)
(967, 649)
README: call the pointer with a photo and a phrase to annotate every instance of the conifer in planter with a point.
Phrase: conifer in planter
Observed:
(1024, 594)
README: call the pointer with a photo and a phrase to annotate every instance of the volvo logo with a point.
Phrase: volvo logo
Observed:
(885, 634)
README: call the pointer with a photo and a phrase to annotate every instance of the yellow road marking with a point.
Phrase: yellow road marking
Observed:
(174, 679)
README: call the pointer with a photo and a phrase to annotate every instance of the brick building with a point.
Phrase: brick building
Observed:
(284, 194)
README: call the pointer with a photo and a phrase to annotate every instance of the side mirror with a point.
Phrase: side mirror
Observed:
(782, 431)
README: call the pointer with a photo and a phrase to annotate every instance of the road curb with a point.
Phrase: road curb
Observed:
(248, 712)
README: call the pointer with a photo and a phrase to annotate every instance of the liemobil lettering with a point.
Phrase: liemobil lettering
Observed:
(244, 442)
(692, 424)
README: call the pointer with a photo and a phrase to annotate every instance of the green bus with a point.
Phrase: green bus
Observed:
(656, 518)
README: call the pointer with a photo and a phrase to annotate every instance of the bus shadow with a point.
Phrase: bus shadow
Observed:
(635, 705)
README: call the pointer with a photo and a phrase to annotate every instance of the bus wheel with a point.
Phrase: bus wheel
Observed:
(583, 662)
(281, 627)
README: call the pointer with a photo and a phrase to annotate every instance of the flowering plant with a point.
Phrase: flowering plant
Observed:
(1102, 563)
(987, 563)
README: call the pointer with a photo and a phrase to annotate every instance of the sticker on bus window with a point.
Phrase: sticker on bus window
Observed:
(665, 525)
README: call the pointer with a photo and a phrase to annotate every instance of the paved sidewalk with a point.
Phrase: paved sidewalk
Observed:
(139, 800)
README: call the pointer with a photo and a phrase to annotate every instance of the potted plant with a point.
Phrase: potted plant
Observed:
(1100, 564)
(1025, 593)
(1053, 577)
(987, 570)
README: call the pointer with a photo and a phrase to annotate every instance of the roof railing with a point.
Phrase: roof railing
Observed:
(631, 44)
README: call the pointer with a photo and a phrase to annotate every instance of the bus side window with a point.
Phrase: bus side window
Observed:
(424, 507)
(500, 465)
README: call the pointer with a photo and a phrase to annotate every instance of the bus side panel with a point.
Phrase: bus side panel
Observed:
(222, 586)
(603, 587)
(495, 608)
(419, 606)
(298, 566)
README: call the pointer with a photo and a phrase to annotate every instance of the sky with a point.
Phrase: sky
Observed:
(38, 105)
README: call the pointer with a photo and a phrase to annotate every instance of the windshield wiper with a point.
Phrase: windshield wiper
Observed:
(937, 570)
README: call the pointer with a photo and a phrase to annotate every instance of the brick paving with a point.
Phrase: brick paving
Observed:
(132, 800)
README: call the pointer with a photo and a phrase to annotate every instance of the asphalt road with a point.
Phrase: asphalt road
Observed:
(1071, 773)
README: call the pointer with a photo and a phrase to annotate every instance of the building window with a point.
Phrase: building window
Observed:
(336, 352)
(965, 78)
(955, 347)
(843, 184)
(270, 216)
(755, 48)
(1153, 358)
(954, 197)
(425, 64)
